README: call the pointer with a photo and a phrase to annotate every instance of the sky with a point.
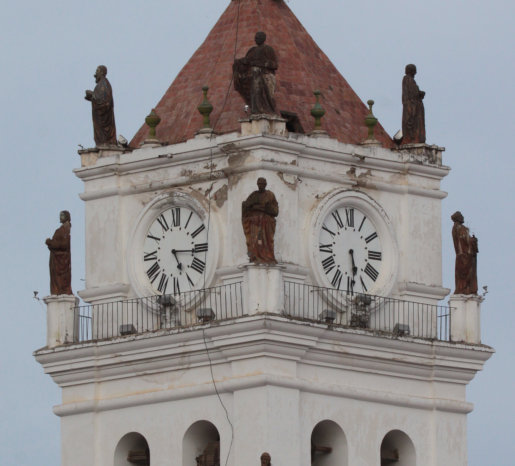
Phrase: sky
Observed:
(465, 54)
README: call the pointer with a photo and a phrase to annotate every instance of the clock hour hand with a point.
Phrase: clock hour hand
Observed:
(179, 265)
(182, 250)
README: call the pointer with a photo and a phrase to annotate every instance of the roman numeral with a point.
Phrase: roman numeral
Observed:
(375, 255)
(162, 221)
(361, 224)
(350, 285)
(153, 272)
(163, 283)
(199, 230)
(198, 265)
(176, 287)
(176, 216)
(371, 272)
(188, 221)
(337, 279)
(150, 256)
(338, 219)
(201, 247)
(349, 213)
(326, 248)
(328, 264)
(371, 237)
(327, 229)
(363, 287)
(190, 280)
(153, 237)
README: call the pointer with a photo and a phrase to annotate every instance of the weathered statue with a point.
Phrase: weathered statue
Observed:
(258, 214)
(266, 459)
(102, 107)
(413, 119)
(466, 256)
(254, 76)
(60, 257)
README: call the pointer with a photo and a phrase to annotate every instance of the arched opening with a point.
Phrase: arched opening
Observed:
(328, 445)
(397, 449)
(201, 445)
(132, 449)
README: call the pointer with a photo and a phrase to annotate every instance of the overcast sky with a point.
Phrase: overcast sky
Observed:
(465, 55)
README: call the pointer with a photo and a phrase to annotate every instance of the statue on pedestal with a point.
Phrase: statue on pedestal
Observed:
(254, 77)
(60, 257)
(258, 214)
(413, 118)
(102, 107)
(466, 256)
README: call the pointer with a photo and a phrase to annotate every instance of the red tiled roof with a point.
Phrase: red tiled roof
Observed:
(303, 67)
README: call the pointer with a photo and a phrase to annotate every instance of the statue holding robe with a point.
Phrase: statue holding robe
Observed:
(102, 108)
(258, 219)
(413, 117)
(60, 257)
(254, 77)
(466, 248)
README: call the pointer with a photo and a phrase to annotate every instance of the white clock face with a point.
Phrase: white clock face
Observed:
(175, 251)
(350, 252)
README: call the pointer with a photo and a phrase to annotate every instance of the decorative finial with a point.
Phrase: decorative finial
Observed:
(152, 120)
(205, 108)
(370, 121)
(317, 111)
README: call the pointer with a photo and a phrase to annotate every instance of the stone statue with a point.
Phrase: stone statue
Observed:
(413, 119)
(466, 256)
(254, 77)
(266, 459)
(102, 107)
(60, 257)
(258, 214)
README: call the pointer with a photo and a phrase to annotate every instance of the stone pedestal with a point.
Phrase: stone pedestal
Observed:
(263, 288)
(62, 326)
(422, 153)
(466, 318)
(263, 124)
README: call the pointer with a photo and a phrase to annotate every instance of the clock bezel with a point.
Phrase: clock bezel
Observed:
(377, 215)
(136, 267)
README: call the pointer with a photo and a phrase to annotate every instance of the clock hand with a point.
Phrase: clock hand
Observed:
(354, 270)
(179, 265)
(183, 250)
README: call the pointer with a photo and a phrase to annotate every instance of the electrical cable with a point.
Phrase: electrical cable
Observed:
(208, 231)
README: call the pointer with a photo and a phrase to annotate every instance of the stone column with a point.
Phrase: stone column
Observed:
(62, 326)
(263, 288)
(466, 318)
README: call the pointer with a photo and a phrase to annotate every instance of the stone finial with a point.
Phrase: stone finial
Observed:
(317, 111)
(152, 120)
(370, 121)
(205, 108)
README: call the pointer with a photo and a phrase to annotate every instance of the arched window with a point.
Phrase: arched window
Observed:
(328, 445)
(201, 445)
(132, 449)
(397, 449)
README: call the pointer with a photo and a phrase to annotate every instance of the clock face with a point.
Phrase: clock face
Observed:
(350, 250)
(175, 251)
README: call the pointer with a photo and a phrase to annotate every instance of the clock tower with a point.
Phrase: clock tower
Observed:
(186, 351)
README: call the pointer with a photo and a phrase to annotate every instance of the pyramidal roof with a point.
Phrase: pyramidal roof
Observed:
(303, 67)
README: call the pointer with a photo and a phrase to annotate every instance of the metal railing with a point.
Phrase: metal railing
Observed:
(364, 311)
(301, 302)
(141, 315)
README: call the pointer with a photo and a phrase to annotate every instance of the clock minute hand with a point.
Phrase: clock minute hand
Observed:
(182, 250)
(354, 268)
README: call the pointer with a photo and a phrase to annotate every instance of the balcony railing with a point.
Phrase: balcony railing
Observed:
(301, 302)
